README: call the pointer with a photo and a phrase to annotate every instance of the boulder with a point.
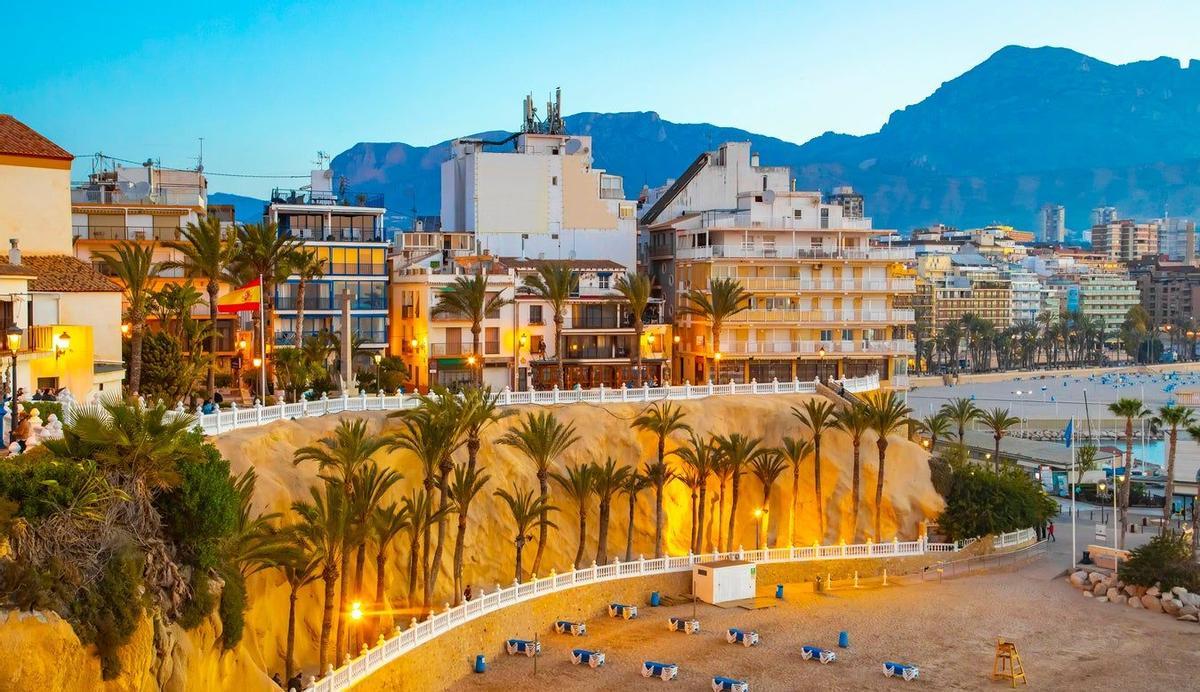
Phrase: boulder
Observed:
(1134, 602)
(1179, 591)
(1189, 609)
(1171, 606)
(1095, 577)
(1152, 603)
(1192, 599)
(1153, 591)
(1078, 579)
(1112, 594)
(1089, 594)
(1188, 618)
(1102, 599)
(1099, 589)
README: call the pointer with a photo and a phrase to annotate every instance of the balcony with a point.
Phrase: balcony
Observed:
(450, 349)
(815, 348)
(132, 233)
(320, 302)
(806, 317)
(329, 199)
(749, 220)
(764, 251)
(838, 285)
(335, 235)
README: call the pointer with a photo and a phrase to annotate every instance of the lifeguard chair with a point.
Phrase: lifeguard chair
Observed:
(1008, 663)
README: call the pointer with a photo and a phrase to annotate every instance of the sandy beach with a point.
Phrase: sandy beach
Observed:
(947, 629)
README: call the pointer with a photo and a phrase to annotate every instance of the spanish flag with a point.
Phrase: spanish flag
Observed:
(242, 299)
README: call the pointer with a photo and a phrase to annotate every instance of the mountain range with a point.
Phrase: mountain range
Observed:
(1026, 127)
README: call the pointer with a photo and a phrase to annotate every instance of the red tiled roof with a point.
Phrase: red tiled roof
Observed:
(59, 274)
(18, 139)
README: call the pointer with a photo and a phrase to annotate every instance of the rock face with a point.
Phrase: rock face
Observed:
(1152, 603)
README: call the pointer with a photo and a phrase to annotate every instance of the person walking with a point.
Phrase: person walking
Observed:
(1050, 531)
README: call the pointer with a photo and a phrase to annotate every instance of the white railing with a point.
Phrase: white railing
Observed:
(401, 642)
(886, 346)
(768, 251)
(234, 418)
(798, 284)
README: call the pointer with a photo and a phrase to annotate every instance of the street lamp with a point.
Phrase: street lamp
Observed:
(1100, 488)
(125, 329)
(759, 515)
(378, 358)
(356, 613)
(13, 337)
(61, 344)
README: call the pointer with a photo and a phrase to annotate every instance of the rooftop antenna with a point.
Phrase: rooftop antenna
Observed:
(322, 160)
(200, 159)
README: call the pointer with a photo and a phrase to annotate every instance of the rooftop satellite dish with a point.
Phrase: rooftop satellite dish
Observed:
(573, 146)
(769, 196)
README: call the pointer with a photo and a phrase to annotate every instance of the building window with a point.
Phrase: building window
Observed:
(491, 340)
(554, 179)
(797, 213)
(826, 335)
(824, 218)
(535, 314)
(603, 279)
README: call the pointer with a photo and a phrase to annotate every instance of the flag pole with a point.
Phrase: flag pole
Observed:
(262, 341)
(1073, 480)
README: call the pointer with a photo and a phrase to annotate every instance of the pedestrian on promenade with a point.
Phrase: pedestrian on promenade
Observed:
(1050, 531)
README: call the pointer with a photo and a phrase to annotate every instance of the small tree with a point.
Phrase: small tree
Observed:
(578, 484)
(527, 512)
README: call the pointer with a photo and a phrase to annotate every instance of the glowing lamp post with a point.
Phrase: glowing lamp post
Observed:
(378, 358)
(13, 338)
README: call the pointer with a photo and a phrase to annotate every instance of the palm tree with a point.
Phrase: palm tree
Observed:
(323, 525)
(999, 421)
(724, 299)
(254, 543)
(542, 439)
(935, 426)
(962, 411)
(1129, 409)
(577, 483)
(341, 459)
(468, 297)
(554, 283)
(307, 267)
(767, 468)
(633, 484)
(423, 513)
(700, 458)
(526, 511)
(722, 469)
(636, 289)
(855, 421)
(1173, 417)
(267, 253)
(888, 414)
(658, 474)
(793, 450)
(607, 479)
(1194, 432)
(387, 522)
(478, 409)
(819, 416)
(134, 266)
(207, 251)
(662, 419)
(467, 483)
(371, 486)
(738, 450)
(300, 570)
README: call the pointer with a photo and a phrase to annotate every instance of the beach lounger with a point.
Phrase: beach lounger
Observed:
(621, 610)
(822, 655)
(683, 625)
(592, 659)
(575, 629)
(737, 636)
(721, 683)
(666, 671)
(904, 670)
(528, 647)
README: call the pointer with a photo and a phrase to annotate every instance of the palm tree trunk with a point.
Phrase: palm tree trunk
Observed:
(582, 535)
(380, 585)
(817, 488)
(637, 336)
(301, 285)
(716, 347)
(700, 517)
(733, 502)
(758, 523)
(720, 518)
(477, 373)
(520, 546)
(692, 536)
(360, 560)
(1169, 491)
(434, 570)
(289, 665)
(996, 453)
(135, 356)
(602, 532)
(1125, 486)
(414, 550)
(212, 340)
(658, 521)
(542, 527)
(629, 529)
(459, 540)
(795, 503)
(327, 619)
(855, 489)
(882, 445)
(562, 376)
(344, 571)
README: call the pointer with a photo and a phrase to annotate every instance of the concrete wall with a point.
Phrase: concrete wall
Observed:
(101, 312)
(35, 206)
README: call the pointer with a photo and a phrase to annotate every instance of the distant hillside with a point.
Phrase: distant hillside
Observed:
(245, 209)
(1027, 126)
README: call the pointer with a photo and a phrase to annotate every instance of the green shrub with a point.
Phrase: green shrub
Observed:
(202, 509)
(223, 380)
(202, 601)
(106, 613)
(232, 609)
(45, 408)
(41, 483)
(981, 501)
(1166, 560)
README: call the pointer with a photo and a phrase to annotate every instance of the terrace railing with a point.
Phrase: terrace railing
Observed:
(234, 418)
(387, 650)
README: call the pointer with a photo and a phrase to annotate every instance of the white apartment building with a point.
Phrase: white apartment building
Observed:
(1052, 220)
(1026, 296)
(1108, 297)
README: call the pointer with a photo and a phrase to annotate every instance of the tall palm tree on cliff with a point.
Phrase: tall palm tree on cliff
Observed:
(633, 484)
(700, 458)
(423, 513)
(819, 416)
(1172, 417)
(307, 267)
(1129, 409)
(469, 298)
(477, 409)
(724, 298)
(387, 522)
(888, 415)
(323, 522)
(662, 419)
(737, 450)
(302, 568)
(207, 250)
(527, 511)
(555, 283)
(542, 439)
(962, 411)
(793, 450)
(607, 480)
(659, 474)
(855, 421)
(636, 289)
(134, 267)
(999, 421)
(767, 468)
(466, 484)
(578, 484)
(371, 487)
(935, 426)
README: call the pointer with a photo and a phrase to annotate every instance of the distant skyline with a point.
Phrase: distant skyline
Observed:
(269, 84)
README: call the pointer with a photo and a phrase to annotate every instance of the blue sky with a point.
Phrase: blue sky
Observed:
(267, 84)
